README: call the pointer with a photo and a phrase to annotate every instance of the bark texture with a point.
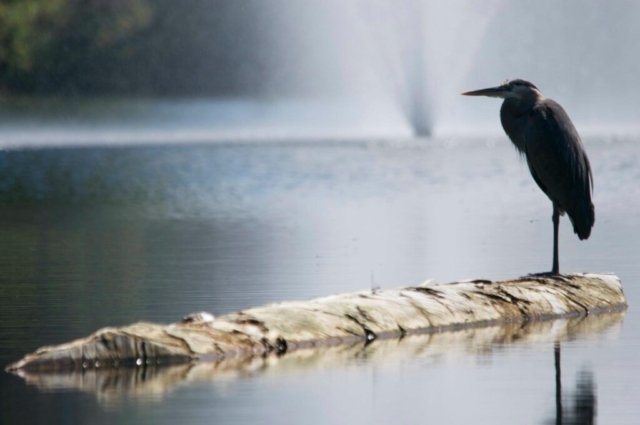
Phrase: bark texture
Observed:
(113, 386)
(338, 319)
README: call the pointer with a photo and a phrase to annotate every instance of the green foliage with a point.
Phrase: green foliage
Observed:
(26, 28)
(135, 47)
(48, 43)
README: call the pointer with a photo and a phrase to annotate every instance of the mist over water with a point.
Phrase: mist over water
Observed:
(293, 70)
(419, 55)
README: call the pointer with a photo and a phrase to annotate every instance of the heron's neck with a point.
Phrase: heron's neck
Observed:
(519, 106)
(513, 115)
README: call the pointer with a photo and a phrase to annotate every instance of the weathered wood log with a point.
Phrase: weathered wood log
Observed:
(367, 315)
(114, 385)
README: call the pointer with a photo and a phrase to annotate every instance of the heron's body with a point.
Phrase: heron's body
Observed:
(543, 133)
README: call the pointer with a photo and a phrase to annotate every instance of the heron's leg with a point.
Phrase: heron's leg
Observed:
(556, 223)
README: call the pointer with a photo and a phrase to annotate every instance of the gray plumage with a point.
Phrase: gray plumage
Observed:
(543, 133)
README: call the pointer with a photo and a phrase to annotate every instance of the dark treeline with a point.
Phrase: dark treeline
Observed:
(133, 47)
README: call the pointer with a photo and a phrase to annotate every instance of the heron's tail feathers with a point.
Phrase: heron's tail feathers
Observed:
(583, 219)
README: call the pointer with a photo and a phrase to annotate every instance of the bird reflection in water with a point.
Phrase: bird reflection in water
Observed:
(581, 409)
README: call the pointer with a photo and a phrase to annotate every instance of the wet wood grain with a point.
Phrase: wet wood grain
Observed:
(338, 319)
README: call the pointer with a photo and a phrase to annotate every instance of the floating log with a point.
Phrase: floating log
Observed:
(338, 319)
(112, 386)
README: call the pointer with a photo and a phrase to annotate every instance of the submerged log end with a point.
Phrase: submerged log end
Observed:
(127, 346)
(336, 319)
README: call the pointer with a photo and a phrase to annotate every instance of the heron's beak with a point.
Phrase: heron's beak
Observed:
(491, 92)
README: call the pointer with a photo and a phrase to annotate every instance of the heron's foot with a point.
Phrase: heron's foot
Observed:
(545, 274)
(558, 277)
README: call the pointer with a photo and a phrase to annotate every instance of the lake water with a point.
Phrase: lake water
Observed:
(98, 236)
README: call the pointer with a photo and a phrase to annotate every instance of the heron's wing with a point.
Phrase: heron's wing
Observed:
(559, 164)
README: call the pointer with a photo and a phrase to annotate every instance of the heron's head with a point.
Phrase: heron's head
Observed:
(517, 88)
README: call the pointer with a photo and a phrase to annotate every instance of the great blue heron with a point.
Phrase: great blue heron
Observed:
(542, 132)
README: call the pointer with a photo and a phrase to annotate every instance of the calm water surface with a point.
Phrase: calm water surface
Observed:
(92, 237)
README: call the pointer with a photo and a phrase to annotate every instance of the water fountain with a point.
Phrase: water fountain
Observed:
(361, 70)
(417, 56)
